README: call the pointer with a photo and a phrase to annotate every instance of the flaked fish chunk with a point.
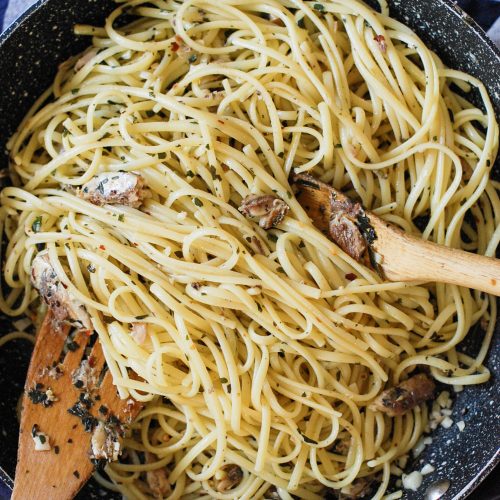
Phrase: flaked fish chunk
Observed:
(85, 376)
(115, 188)
(105, 443)
(157, 479)
(63, 305)
(228, 477)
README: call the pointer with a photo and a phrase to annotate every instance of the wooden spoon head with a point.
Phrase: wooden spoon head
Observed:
(341, 219)
(60, 473)
(314, 197)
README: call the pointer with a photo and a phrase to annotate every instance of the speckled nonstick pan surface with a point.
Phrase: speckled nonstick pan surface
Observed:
(30, 52)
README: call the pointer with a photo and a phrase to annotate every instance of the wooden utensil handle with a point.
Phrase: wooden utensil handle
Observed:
(413, 259)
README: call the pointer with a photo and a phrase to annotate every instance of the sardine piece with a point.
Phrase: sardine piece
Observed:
(115, 188)
(405, 396)
(59, 299)
(269, 208)
(105, 443)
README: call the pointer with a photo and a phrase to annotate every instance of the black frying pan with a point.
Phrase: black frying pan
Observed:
(30, 52)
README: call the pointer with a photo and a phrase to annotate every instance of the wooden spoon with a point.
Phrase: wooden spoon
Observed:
(58, 474)
(394, 254)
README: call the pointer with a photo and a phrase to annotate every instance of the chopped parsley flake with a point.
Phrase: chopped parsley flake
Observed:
(37, 224)
(72, 345)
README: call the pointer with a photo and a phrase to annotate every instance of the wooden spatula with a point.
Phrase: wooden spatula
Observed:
(60, 472)
(396, 255)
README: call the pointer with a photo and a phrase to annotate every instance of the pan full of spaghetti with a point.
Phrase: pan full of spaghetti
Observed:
(148, 201)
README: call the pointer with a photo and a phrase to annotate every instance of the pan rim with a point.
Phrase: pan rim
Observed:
(455, 10)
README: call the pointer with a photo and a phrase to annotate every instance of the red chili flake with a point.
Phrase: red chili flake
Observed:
(350, 276)
(380, 39)
(102, 247)
(225, 168)
(174, 47)
(88, 333)
(91, 361)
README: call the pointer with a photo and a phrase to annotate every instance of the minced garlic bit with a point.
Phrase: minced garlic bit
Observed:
(461, 425)
(420, 446)
(447, 422)
(41, 440)
(50, 395)
(412, 481)
(394, 496)
(139, 331)
(427, 469)
(444, 400)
